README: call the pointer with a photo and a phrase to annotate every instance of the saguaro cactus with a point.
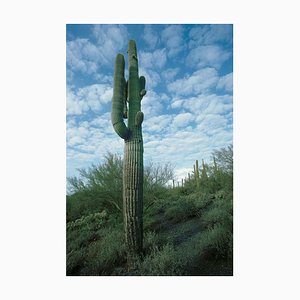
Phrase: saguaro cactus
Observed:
(196, 173)
(203, 172)
(131, 92)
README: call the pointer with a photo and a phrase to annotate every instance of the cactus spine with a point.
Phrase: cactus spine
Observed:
(131, 92)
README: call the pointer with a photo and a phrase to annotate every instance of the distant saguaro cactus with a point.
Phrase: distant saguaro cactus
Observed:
(131, 92)
(203, 172)
(196, 173)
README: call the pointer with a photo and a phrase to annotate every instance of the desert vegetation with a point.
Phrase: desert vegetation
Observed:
(187, 229)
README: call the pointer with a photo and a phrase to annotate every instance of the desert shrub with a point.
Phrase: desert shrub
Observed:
(219, 225)
(95, 243)
(156, 177)
(151, 240)
(221, 211)
(163, 262)
(218, 238)
(105, 254)
(181, 209)
(80, 234)
(200, 200)
(81, 231)
(81, 204)
(100, 187)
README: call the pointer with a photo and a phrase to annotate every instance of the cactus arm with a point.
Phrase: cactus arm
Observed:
(139, 117)
(142, 87)
(133, 85)
(118, 98)
(125, 110)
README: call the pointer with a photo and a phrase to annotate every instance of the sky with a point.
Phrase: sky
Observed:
(188, 108)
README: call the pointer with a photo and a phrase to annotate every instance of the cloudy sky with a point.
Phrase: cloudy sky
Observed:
(188, 107)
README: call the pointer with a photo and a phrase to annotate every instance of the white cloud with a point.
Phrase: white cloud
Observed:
(170, 74)
(206, 127)
(158, 123)
(86, 56)
(206, 104)
(182, 147)
(91, 97)
(77, 135)
(153, 103)
(209, 122)
(176, 103)
(172, 36)
(74, 105)
(210, 34)
(207, 56)
(183, 119)
(110, 39)
(181, 173)
(217, 104)
(89, 141)
(226, 83)
(104, 78)
(192, 135)
(150, 36)
(199, 82)
(82, 56)
(152, 60)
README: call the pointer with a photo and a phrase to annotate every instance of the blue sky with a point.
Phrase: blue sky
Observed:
(188, 107)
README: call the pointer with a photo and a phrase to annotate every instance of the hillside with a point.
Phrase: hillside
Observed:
(187, 230)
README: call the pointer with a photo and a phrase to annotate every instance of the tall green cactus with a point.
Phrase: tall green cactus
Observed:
(203, 172)
(196, 173)
(131, 92)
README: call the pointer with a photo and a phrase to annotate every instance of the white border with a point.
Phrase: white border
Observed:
(266, 198)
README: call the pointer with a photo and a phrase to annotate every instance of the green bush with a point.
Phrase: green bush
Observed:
(200, 200)
(180, 210)
(95, 243)
(84, 230)
(151, 240)
(218, 238)
(163, 262)
(100, 187)
(219, 225)
(104, 255)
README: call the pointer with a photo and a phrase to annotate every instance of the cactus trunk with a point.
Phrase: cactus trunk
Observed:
(131, 92)
(133, 194)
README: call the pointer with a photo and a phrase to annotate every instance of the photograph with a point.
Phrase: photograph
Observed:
(149, 149)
